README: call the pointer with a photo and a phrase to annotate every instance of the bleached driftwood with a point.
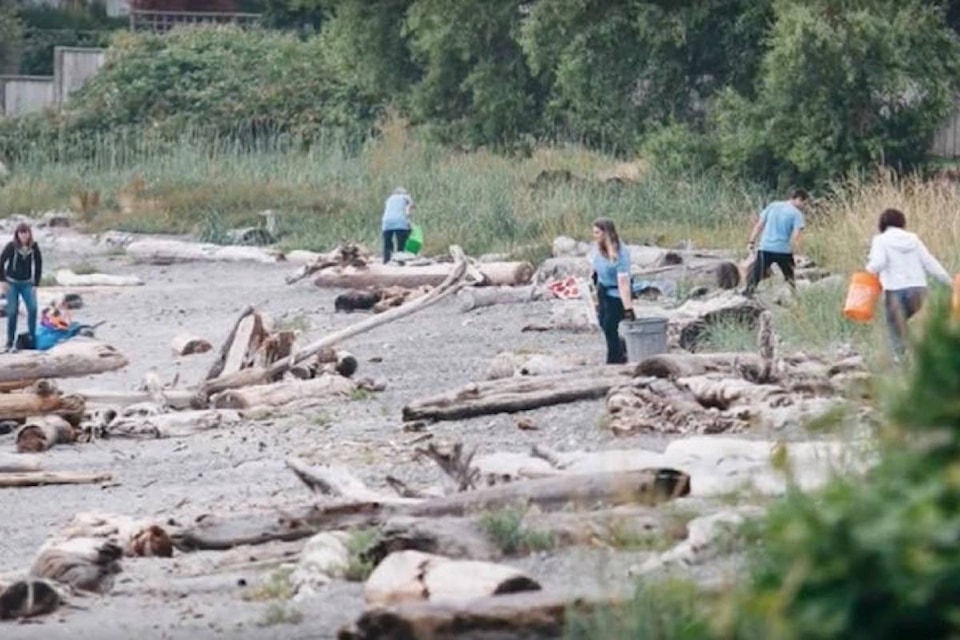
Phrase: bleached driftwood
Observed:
(688, 322)
(411, 277)
(477, 297)
(185, 344)
(75, 357)
(136, 537)
(337, 482)
(43, 478)
(509, 395)
(176, 399)
(508, 364)
(23, 404)
(180, 424)
(645, 487)
(164, 252)
(86, 564)
(533, 615)
(280, 393)
(346, 255)
(249, 334)
(459, 276)
(40, 433)
(67, 278)
(414, 576)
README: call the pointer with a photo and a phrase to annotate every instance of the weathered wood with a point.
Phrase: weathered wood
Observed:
(509, 395)
(217, 367)
(477, 297)
(414, 576)
(75, 357)
(689, 321)
(186, 344)
(43, 478)
(508, 364)
(40, 433)
(164, 252)
(18, 463)
(532, 615)
(28, 598)
(280, 393)
(20, 405)
(337, 481)
(684, 365)
(647, 486)
(67, 278)
(249, 335)
(389, 275)
(87, 564)
(136, 537)
(171, 425)
(459, 276)
(177, 399)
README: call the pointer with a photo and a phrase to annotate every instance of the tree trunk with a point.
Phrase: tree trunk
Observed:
(42, 432)
(20, 405)
(73, 358)
(280, 393)
(509, 395)
(411, 277)
(646, 487)
(532, 615)
(164, 252)
(67, 278)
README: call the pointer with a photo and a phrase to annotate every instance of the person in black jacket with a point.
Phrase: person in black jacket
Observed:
(21, 267)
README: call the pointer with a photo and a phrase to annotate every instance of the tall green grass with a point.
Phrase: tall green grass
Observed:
(333, 190)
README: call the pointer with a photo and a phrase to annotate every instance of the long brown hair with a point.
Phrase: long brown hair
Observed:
(23, 226)
(611, 239)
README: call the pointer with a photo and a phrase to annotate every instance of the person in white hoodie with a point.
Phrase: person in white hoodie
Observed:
(901, 261)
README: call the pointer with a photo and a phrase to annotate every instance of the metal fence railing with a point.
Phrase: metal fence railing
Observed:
(162, 21)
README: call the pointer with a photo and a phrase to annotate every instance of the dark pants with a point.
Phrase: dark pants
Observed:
(25, 291)
(761, 269)
(610, 313)
(401, 236)
(899, 306)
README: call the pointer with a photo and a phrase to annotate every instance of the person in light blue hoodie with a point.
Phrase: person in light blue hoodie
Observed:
(397, 213)
(611, 275)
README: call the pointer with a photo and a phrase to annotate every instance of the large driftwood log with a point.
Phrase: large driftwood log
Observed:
(411, 277)
(76, 357)
(136, 537)
(508, 364)
(171, 425)
(43, 478)
(476, 297)
(249, 335)
(459, 276)
(28, 598)
(43, 432)
(509, 395)
(20, 405)
(647, 486)
(86, 564)
(689, 321)
(533, 615)
(186, 344)
(176, 399)
(172, 251)
(685, 365)
(414, 576)
(67, 278)
(281, 393)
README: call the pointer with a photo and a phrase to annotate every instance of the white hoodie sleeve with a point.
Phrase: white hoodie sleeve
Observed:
(932, 266)
(877, 259)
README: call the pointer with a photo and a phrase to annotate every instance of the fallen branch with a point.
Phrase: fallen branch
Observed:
(455, 280)
(43, 478)
(73, 358)
(455, 464)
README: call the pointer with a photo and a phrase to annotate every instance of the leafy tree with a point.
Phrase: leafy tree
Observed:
(845, 84)
(11, 38)
(476, 85)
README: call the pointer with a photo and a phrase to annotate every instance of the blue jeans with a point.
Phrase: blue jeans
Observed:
(16, 291)
(388, 235)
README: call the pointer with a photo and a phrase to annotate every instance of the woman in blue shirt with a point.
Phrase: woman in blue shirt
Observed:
(611, 267)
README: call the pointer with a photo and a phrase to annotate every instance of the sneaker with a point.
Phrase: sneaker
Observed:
(9, 349)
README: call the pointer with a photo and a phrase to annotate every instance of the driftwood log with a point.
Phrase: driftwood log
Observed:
(28, 598)
(185, 344)
(179, 424)
(164, 252)
(43, 478)
(459, 276)
(86, 564)
(411, 277)
(35, 402)
(508, 364)
(644, 487)
(532, 615)
(43, 432)
(509, 395)
(280, 393)
(76, 357)
(67, 278)
(176, 399)
(477, 297)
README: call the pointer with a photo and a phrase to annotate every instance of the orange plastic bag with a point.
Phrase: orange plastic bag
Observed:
(862, 296)
(955, 300)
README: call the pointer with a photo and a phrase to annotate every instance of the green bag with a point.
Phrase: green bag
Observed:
(415, 240)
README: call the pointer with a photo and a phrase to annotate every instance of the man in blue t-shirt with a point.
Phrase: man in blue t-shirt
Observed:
(397, 211)
(780, 228)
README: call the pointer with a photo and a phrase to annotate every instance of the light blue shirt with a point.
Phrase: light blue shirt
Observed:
(780, 220)
(608, 270)
(395, 212)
